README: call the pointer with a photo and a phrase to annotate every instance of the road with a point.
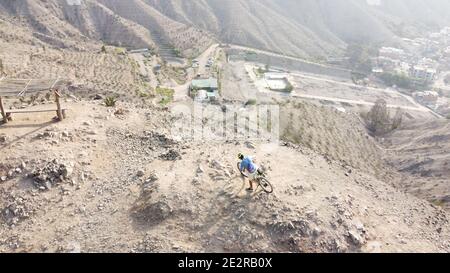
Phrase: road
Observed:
(417, 107)
(357, 102)
(285, 57)
(203, 58)
(181, 91)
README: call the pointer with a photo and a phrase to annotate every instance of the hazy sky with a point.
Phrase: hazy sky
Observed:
(374, 2)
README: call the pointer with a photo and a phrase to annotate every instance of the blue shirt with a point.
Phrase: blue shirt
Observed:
(247, 164)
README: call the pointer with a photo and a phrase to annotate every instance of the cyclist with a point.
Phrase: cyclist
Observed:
(248, 165)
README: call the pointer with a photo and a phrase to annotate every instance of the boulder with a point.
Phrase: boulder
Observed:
(356, 238)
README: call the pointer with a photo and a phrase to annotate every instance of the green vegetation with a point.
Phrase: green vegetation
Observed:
(378, 120)
(259, 72)
(177, 52)
(403, 81)
(399, 80)
(142, 94)
(110, 101)
(359, 59)
(120, 50)
(165, 101)
(178, 74)
(250, 102)
(438, 203)
(194, 92)
(250, 56)
(289, 87)
(103, 50)
(398, 119)
(166, 94)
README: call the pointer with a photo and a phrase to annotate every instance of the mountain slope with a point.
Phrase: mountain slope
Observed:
(425, 156)
(128, 186)
(303, 28)
(130, 24)
(307, 27)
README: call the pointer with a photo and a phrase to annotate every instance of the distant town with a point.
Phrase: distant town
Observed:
(422, 63)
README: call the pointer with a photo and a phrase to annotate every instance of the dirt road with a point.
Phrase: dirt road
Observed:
(284, 56)
(181, 91)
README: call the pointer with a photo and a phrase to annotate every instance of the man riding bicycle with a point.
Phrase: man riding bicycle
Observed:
(249, 166)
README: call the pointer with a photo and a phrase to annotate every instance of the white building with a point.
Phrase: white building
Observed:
(423, 73)
(426, 97)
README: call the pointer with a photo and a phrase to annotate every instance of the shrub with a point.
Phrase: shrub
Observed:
(250, 102)
(377, 119)
(399, 80)
(289, 87)
(398, 119)
(167, 95)
(110, 101)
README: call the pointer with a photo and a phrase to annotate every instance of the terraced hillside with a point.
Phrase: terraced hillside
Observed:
(123, 23)
(27, 57)
(306, 28)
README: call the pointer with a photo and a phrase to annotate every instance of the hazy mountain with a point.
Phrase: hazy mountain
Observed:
(295, 27)
(308, 26)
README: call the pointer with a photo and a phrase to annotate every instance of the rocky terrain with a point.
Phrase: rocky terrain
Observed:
(327, 131)
(139, 175)
(108, 180)
(425, 156)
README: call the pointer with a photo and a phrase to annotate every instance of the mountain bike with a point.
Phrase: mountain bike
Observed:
(261, 179)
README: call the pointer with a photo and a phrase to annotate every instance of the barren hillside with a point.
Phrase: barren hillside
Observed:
(426, 156)
(308, 27)
(134, 25)
(304, 28)
(134, 173)
(112, 181)
(336, 135)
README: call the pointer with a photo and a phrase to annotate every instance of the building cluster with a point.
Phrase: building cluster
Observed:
(417, 58)
(428, 98)
(396, 60)
(204, 90)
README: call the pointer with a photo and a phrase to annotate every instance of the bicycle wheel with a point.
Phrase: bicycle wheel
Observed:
(265, 185)
(239, 168)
